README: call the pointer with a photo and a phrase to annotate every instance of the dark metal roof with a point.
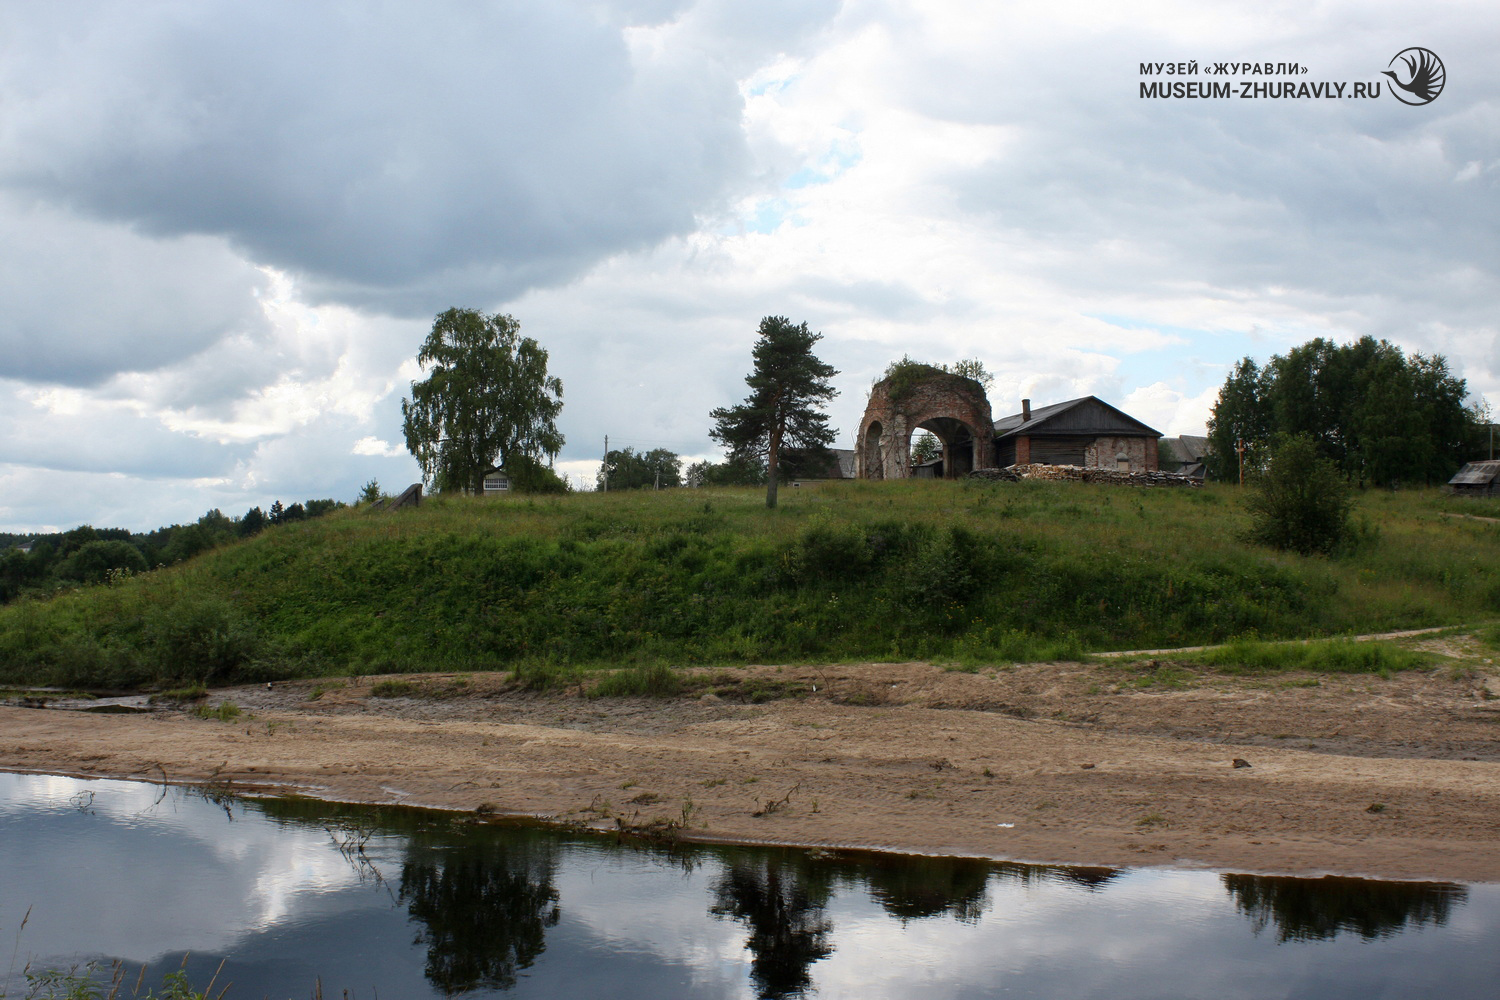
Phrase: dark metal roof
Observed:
(1188, 448)
(1083, 416)
(1477, 474)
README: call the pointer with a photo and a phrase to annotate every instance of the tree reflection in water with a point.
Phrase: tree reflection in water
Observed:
(483, 907)
(782, 904)
(1307, 909)
(915, 888)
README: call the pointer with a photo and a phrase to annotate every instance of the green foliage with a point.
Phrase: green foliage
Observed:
(1338, 656)
(90, 983)
(225, 711)
(370, 492)
(737, 470)
(1382, 417)
(1300, 503)
(650, 680)
(86, 555)
(924, 447)
(788, 388)
(534, 675)
(254, 522)
(487, 399)
(393, 689)
(528, 475)
(1241, 421)
(205, 632)
(549, 587)
(93, 562)
(902, 377)
(631, 470)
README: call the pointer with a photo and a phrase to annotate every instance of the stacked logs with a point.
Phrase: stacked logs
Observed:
(1016, 473)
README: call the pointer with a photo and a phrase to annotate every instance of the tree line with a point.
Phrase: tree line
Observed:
(89, 555)
(1380, 416)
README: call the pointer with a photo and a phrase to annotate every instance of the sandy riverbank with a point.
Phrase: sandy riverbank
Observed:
(1060, 763)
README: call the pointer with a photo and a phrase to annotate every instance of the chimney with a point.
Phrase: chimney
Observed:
(1025, 410)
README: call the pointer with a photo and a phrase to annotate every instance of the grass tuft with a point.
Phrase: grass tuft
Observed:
(225, 711)
(653, 680)
(1338, 656)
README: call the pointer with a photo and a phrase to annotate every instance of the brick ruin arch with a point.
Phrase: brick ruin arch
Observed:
(922, 397)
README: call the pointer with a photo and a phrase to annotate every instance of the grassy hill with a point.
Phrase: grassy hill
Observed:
(962, 571)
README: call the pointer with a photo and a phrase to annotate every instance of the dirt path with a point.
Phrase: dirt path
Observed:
(1109, 764)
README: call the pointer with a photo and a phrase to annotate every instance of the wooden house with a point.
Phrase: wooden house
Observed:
(1085, 432)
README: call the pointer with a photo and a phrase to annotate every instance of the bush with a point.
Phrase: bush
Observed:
(204, 638)
(527, 475)
(93, 562)
(1300, 503)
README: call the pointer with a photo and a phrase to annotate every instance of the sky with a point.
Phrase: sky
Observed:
(226, 228)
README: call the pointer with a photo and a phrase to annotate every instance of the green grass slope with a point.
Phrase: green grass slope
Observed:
(962, 571)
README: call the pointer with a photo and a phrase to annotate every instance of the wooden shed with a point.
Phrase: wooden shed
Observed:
(1477, 479)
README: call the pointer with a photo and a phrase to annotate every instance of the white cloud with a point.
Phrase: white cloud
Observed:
(218, 210)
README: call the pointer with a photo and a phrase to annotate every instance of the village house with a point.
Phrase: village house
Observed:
(1085, 432)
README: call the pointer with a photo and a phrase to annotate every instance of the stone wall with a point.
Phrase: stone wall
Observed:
(1075, 473)
(953, 408)
(1105, 451)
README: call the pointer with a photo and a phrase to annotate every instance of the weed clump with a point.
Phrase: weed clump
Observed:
(392, 689)
(225, 711)
(651, 680)
(1338, 656)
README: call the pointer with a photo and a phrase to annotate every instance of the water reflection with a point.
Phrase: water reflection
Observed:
(783, 906)
(483, 906)
(1305, 909)
(932, 887)
(405, 903)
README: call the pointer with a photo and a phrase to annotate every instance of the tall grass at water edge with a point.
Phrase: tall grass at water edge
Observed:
(960, 571)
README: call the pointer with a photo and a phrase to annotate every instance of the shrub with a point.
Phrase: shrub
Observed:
(654, 680)
(93, 562)
(1300, 503)
(203, 637)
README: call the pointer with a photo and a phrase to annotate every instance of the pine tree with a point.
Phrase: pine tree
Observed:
(787, 389)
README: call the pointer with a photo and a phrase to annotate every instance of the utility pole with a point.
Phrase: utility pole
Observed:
(605, 464)
(658, 479)
(1239, 447)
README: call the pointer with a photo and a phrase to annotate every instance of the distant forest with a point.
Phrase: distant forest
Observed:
(93, 555)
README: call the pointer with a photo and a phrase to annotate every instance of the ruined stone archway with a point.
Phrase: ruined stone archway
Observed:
(952, 407)
(867, 460)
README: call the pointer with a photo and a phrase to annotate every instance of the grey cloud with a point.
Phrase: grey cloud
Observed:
(392, 159)
(1348, 207)
(81, 300)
